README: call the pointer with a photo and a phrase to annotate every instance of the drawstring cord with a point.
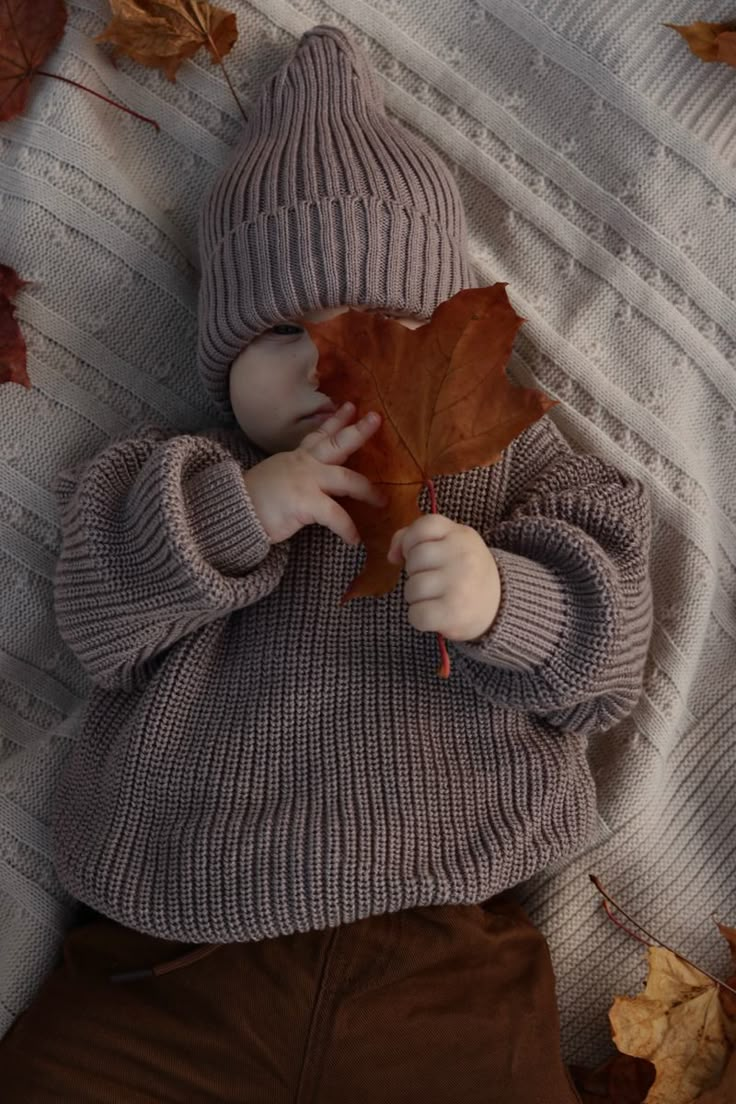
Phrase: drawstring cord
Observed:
(166, 967)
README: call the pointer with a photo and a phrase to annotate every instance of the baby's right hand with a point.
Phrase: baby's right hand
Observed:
(292, 489)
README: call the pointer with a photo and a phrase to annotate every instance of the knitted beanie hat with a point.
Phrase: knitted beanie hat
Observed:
(324, 202)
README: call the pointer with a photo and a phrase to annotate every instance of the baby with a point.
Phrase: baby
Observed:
(285, 780)
(459, 589)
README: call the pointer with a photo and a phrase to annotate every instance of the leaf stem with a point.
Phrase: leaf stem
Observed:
(444, 668)
(201, 22)
(229, 82)
(122, 107)
(623, 927)
(602, 891)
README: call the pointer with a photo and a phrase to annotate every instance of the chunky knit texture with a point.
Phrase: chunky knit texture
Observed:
(256, 759)
(324, 201)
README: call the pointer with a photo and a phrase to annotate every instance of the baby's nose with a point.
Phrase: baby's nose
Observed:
(313, 374)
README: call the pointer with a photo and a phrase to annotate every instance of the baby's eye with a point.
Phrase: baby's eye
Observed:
(279, 330)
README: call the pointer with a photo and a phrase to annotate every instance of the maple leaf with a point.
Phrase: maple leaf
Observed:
(29, 31)
(709, 41)
(12, 343)
(444, 398)
(164, 33)
(677, 1023)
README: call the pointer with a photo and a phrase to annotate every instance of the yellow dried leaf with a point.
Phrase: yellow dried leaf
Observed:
(164, 33)
(678, 1024)
(725, 1091)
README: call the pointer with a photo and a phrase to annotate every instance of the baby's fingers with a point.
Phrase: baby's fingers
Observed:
(334, 442)
(328, 513)
(345, 483)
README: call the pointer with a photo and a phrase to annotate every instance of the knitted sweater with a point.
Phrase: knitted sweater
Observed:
(256, 759)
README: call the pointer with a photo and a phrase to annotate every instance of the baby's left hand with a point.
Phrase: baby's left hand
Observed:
(453, 586)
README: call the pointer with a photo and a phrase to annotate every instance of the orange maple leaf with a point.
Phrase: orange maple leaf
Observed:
(29, 31)
(12, 342)
(446, 403)
(164, 33)
(709, 41)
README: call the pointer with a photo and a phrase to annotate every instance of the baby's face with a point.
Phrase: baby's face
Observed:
(273, 383)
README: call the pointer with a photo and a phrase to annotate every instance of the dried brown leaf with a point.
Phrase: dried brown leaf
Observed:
(709, 41)
(12, 342)
(29, 31)
(164, 33)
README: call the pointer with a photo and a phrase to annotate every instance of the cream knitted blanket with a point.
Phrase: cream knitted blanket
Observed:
(595, 158)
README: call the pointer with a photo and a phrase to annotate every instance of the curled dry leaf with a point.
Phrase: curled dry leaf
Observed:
(446, 402)
(12, 343)
(679, 1024)
(29, 31)
(164, 33)
(710, 41)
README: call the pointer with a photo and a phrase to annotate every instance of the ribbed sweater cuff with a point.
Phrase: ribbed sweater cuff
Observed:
(530, 619)
(223, 522)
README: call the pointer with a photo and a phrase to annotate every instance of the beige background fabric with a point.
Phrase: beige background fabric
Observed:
(595, 157)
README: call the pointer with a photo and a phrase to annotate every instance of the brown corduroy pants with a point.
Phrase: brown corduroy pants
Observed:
(443, 1005)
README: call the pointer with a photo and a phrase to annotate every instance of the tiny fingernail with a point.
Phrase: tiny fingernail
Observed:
(346, 405)
(373, 417)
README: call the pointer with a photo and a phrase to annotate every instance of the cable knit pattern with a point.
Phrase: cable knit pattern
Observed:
(257, 759)
(595, 159)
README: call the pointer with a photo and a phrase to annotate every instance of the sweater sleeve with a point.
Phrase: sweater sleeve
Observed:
(158, 538)
(570, 639)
